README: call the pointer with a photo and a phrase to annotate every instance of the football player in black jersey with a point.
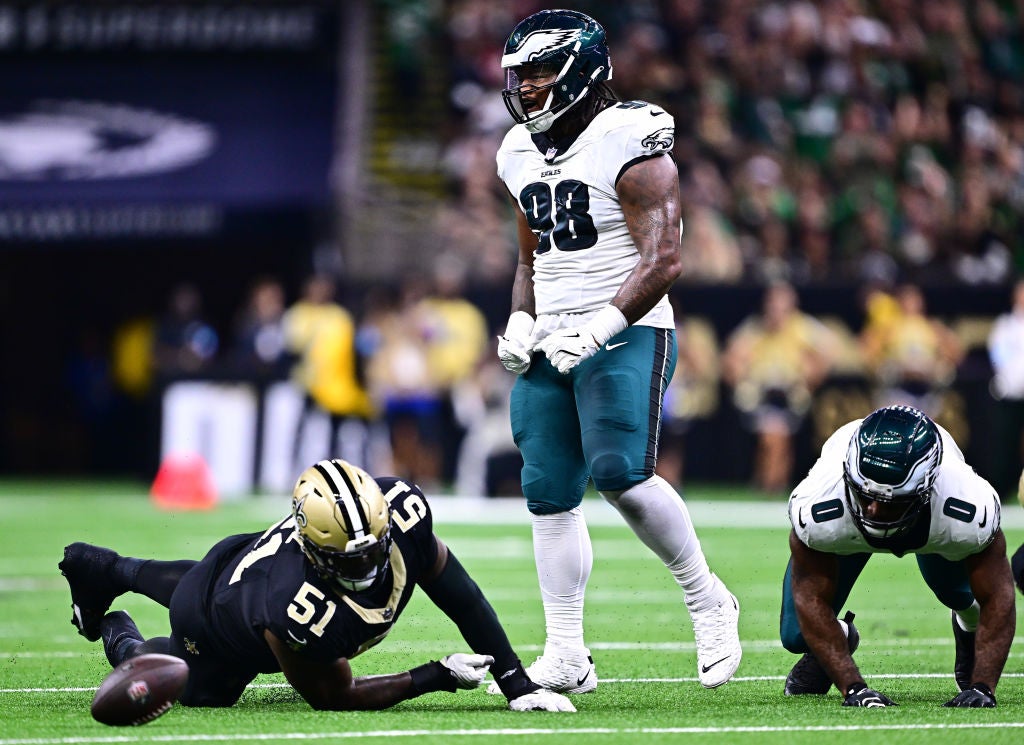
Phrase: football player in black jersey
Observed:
(305, 596)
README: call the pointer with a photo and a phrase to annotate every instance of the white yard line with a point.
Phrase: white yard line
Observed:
(749, 645)
(737, 679)
(508, 732)
(512, 511)
(710, 513)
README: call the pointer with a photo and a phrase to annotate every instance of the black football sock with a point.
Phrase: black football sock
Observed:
(121, 637)
(154, 645)
(154, 579)
(123, 572)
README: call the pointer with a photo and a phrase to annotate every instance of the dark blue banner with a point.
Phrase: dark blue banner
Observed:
(158, 121)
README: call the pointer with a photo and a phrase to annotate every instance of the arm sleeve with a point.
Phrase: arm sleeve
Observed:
(455, 593)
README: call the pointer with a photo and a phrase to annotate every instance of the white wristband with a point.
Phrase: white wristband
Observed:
(519, 326)
(607, 323)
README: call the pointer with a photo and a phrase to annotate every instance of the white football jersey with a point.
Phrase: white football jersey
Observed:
(584, 250)
(964, 506)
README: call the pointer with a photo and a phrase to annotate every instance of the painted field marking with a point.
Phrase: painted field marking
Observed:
(508, 732)
(737, 679)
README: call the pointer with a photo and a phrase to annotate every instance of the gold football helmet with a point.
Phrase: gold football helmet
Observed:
(344, 524)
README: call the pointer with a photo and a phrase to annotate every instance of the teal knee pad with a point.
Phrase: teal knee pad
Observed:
(546, 495)
(613, 472)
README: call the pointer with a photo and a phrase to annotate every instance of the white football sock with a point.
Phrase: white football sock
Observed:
(968, 617)
(564, 558)
(658, 516)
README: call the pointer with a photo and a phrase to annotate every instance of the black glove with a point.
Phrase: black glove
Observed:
(859, 694)
(978, 696)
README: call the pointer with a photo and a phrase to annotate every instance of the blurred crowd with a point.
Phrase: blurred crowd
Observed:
(818, 141)
(409, 380)
(873, 145)
(397, 372)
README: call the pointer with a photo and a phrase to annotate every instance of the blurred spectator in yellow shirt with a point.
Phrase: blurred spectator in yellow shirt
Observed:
(911, 357)
(774, 361)
(455, 333)
(401, 380)
(323, 336)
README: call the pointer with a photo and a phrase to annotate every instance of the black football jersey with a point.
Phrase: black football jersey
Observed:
(266, 582)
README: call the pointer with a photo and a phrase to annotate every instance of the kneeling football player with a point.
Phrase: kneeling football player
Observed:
(895, 483)
(319, 587)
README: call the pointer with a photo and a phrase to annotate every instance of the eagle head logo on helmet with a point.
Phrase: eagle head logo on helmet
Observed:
(892, 461)
(344, 524)
(572, 46)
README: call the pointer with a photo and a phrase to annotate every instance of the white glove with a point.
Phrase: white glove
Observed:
(569, 347)
(469, 670)
(541, 700)
(515, 348)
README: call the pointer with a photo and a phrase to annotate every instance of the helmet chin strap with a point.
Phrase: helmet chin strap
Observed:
(875, 532)
(358, 585)
(543, 122)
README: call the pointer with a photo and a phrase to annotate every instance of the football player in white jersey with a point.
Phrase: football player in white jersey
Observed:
(895, 482)
(591, 333)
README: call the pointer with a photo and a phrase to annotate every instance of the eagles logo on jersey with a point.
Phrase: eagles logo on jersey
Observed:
(663, 139)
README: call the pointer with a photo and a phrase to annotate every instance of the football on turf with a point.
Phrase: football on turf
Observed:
(139, 690)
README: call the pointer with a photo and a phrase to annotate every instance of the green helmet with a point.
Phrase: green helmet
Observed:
(572, 45)
(893, 458)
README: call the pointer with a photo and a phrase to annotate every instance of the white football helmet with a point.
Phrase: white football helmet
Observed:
(344, 524)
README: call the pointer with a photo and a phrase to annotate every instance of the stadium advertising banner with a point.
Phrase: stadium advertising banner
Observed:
(162, 121)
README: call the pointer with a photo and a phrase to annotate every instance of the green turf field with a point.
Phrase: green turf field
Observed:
(636, 625)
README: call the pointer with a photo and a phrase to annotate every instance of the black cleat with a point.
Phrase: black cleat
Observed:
(963, 666)
(120, 637)
(87, 569)
(808, 676)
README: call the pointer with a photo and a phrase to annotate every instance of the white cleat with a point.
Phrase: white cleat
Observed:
(560, 672)
(716, 631)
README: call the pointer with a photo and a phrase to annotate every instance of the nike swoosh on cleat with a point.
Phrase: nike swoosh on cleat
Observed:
(705, 668)
(656, 113)
(800, 518)
(984, 518)
(610, 347)
(583, 680)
